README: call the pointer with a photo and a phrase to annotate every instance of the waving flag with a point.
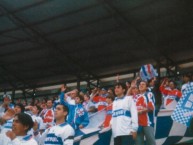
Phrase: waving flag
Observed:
(184, 109)
(147, 72)
(167, 131)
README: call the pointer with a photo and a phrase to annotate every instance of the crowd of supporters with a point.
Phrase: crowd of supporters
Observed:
(130, 109)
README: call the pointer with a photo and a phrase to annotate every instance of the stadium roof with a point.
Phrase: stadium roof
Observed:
(46, 42)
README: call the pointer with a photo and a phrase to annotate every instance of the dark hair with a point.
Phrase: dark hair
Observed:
(38, 108)
(128, 82)
(150, 80)
(49, 100)
(171, 81)
(123, 85)
(81, 98)
(144, 82)
(110, 96)
(65, 108)
(188, 75)
(87, 95)
(20, 105)
(25, 120)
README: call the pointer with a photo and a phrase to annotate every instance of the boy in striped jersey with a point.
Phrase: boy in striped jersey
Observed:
(59, 134)
(145, 106)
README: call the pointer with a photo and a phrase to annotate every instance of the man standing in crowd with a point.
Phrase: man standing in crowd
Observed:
(48, 118)
(172, 94)
(124, 120)
(59, 134)
(145, 106)
(78, 116)
(70, 96)
(99, 99)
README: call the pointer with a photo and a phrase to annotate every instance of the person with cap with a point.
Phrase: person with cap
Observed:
(22, 123)
(6, 104)
(59, 134)
(103, 92)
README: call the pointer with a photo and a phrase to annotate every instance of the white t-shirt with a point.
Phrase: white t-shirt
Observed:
(61, 134)
(124, 116)
(19, 140)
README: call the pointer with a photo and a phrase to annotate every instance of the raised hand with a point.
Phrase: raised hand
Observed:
(133, 83)
(63, 88)
(138, 78)
(9, 114)
(11, 135)
(29, 107)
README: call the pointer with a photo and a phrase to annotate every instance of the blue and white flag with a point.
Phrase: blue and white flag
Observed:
(184, 109)
(147, 72)
(167, 131)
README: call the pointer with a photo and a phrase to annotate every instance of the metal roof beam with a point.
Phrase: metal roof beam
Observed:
(126, 24)
(49, 19)
(13, 75)
(48, 43)
(26, 7)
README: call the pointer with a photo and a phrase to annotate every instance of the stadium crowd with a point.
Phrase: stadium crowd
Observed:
(130, 109)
